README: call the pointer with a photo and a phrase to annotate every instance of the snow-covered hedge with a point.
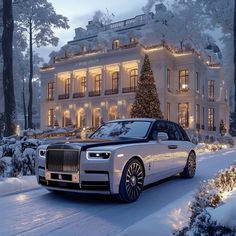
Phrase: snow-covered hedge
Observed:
(17, 156)
(210, 195)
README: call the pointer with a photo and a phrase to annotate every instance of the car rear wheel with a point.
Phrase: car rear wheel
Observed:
(131, 184)
(190, 167)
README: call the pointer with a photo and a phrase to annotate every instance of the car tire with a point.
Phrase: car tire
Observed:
(131, 184)
(190, 167)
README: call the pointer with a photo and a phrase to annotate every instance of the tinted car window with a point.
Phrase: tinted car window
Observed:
(173, 131)
(122, 129)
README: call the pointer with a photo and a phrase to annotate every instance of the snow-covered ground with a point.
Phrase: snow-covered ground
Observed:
(16, 185)
(161, 208)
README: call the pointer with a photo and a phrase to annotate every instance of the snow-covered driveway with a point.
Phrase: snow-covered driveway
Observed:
(39, 212)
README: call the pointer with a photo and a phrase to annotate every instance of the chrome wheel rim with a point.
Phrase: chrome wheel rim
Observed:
(192, 164)
(134, 180)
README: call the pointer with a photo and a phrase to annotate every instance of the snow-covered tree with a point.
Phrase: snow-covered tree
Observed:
(146, 103)
(35, 19)
(219, 14)
(8, 84)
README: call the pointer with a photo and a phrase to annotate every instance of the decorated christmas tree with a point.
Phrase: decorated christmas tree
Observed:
(146, 104)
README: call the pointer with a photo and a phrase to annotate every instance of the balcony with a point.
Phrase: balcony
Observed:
(79, 95)
(111, 91)
(129, 90)
(63, 96)
(94, 93)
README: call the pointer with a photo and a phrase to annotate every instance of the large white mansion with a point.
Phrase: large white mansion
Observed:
(97, 84)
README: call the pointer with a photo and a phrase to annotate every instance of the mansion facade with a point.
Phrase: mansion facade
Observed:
(97, 85)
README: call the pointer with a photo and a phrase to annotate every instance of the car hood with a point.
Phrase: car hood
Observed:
(89, 143)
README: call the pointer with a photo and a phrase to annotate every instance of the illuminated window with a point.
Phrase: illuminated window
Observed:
(112, 114)
(115, 81)
(80, 119)
(183, 114)
(211, 90)
(50, 91)
(197, 82)
(66, 120)
(168, 111)
(97, 83)
(168, 79)
(50, 117)
(83, 84)
(67, 87)
(203, 117)
(133, 78)
(183, 80)
(211, 116)
(198, 116)
(96, 117)
(115, 44)
(133, 40)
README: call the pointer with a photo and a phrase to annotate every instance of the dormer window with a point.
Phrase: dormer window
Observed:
(133, 40)
(83, 48)
(115, 44)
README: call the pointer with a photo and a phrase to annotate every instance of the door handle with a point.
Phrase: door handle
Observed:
(172, 146)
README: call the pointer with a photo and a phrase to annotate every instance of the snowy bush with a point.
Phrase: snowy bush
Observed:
(2, 167)
(17, 156)
(210, 195)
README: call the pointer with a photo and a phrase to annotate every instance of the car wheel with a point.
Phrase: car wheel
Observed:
(190, 167)
(131, 184)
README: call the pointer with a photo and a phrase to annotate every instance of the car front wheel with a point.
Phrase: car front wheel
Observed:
(190, 167)
(131, 184)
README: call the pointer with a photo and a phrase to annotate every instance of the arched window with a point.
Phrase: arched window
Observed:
(115, 81)
(133, 78)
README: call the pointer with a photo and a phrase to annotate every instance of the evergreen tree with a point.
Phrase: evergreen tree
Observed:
(146, 102)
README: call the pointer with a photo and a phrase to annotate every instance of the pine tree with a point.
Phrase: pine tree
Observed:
(146, 104)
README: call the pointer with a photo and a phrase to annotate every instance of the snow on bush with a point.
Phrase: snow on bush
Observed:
(210, 195)
(17, 156)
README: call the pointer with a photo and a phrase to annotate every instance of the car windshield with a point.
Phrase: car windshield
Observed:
(122, 129)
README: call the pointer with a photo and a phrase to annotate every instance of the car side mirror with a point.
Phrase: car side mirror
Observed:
(162, 136)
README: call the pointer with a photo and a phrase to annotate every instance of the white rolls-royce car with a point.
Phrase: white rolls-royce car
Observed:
(119, 158)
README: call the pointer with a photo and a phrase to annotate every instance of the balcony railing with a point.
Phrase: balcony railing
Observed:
(211, 99)
(129, 90)
(79, 95)
(94, 93)
(111, 91)
(50, 99)
(63, 96)
(183, 90)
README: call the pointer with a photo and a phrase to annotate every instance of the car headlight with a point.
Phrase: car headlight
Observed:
(98, 155)
(42, 153)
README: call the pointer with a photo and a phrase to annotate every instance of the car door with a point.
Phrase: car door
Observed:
(161, 154)
(176, 146)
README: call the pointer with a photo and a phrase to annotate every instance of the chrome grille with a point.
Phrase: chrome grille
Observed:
(62, 160)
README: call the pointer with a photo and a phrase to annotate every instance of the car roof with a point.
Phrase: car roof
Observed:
(134, 119)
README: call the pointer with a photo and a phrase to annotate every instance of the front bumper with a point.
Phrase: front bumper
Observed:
(93, 177)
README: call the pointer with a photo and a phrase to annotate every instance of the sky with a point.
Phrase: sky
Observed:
(79, 12)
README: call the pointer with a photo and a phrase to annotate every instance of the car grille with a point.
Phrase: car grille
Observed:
(62, 160)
